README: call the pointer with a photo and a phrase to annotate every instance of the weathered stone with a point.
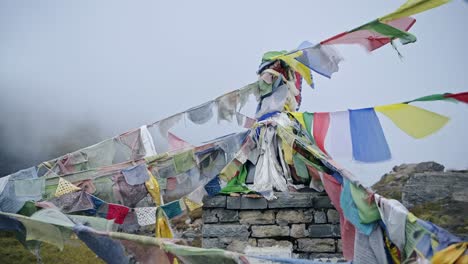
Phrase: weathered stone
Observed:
(320, 217)
(212, 243)
(253, 203)
(229, 240)
(322, 202)
(285, 217)
(309, 215)
(433, 186)
(226, 216)
(328, 257)
(214, 201)
(339, 246)
(237, 246)
(266, 242)
(257, 217)
(252, 242)
(298, 231)
(220, 215)
(209, 216)
(292, 200)
(324, 230)
(301, 255)
(333, 216)
(316, 245)
(270, 231)
(233, 202)
(213, 230)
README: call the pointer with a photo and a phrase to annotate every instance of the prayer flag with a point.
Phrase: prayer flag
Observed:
(368, 139)
(413, 120)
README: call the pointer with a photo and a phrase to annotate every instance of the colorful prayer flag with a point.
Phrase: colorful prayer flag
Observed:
(368, 139)
(413, 120)
(321, 123)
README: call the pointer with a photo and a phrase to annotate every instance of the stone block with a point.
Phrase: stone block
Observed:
(237, 246)
(320, 217)
(326, 230)
(328, 257)
(309, 215)
(253, 203)
(333, 216)
(227, 230)
(233, 202)
(252, 242)
(301, 255)
(229, 240)
(214, 201)
(326, 245)
(212, 243)
(270, 231)
(226, 216)
(339, 246)
(322, 202)
(209, 216)
(292, 200)
(285, 217)
(299, 231)
(267, 242)
(257, 217)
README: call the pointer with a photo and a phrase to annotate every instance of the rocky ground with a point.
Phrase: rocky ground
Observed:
(431, 193)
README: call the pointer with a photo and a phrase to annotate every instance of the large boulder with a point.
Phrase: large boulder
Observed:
(430, 193)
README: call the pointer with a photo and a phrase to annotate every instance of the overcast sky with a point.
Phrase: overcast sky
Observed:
(121, 64)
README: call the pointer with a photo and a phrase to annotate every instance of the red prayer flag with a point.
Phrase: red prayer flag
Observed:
(321, 123)
(459, 96)
(176, 143)
(371, 40)
(117, 212)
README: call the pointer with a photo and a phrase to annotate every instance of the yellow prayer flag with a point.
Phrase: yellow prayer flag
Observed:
(412, 7)
(290, 59)
(299, 117)
(191, 205)
(163, 230)
(65, 187)
(152, 186)
(414, 121)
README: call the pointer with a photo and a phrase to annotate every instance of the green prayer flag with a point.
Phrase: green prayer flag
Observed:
(368, 213)
(237, 184)
(388, 31)
(309, 122)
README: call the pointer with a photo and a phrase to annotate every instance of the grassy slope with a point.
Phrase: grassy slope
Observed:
(11, 251)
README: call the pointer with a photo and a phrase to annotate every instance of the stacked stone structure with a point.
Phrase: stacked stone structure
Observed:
(306, 222)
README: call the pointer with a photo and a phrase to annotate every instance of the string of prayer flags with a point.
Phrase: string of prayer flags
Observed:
(413, 120)
(368, 139)
(64, 187)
